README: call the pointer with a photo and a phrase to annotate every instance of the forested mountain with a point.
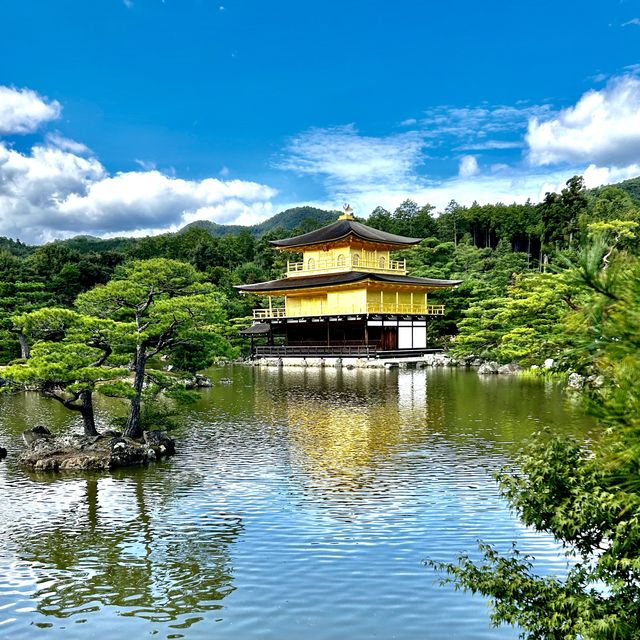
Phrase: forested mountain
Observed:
(631, 186)
(288, 220)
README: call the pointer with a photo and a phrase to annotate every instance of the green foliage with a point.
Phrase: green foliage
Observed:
(586, 496)
(164, 399)
(527, 325)
(17, 297)
(167, 308)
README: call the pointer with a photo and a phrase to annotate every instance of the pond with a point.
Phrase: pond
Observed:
(302, 504)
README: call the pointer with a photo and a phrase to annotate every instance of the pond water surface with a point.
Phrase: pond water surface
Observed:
(302, 505)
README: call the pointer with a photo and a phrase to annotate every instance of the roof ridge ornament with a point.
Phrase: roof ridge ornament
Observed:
(348, 212)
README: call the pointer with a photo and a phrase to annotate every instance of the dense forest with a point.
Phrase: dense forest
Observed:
(510, 258)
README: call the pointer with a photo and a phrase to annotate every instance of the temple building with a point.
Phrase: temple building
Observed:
(347, 296)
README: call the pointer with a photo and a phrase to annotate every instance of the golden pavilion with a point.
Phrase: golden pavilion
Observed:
(346, 297)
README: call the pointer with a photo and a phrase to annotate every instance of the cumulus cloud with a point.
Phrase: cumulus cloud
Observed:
(468, 167)
(344, 157)
(53, 193)
(602, 128)
(23, 110)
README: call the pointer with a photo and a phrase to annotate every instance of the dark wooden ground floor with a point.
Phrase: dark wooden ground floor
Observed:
(365, 335)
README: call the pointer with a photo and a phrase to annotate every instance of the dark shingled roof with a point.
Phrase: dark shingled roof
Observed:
(342, 229)
(256, 329)
(306, 282)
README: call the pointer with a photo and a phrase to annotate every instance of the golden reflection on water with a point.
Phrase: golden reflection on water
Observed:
(343, 426)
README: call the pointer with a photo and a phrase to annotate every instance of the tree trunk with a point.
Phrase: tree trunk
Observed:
(24, 346)
(132, 428)
(86, 411)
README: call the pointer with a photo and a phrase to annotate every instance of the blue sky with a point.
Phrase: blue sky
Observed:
(137, 116)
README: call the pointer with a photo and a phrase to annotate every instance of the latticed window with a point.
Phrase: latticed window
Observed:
(382, 262)
(356, 259)
(341, 260)
(311, 264)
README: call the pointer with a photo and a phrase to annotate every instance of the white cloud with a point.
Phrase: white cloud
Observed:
(147, 165)
(633, 21)
(490, 145)
(23, 110)
(55, 139)
(383, 171)
(342, 157)
(602, 128)
(472, 123)
(53, 193)
(504, 185)
(468, 167)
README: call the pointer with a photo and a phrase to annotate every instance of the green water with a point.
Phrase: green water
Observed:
(301, 506)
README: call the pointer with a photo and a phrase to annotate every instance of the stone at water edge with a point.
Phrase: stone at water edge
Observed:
(160, 442)
(509, 369)
(488, 368)
(548, 363)
(31, 435)
(3, 453)
(202, 381)
(575, 381)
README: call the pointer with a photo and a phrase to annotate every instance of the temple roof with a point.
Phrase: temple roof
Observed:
(342, 229)
(307, 282)
(257, 329)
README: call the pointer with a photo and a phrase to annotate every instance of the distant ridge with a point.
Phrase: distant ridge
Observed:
(631, 186)
(296, 219)
(287, 220)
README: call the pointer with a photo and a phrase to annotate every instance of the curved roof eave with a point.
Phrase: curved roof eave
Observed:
(342, 229)
(343, 278)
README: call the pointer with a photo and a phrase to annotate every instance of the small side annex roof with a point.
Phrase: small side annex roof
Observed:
(344, 278)
(341, 229)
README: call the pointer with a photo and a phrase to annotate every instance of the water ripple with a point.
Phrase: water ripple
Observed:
(302, 504)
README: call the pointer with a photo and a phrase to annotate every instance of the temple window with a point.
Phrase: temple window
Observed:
(311, 264)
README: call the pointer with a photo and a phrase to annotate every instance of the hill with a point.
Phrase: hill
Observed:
(289, 220)
(632, 187)
(14, 247)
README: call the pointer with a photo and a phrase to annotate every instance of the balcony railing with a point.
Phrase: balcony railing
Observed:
(415, 309)
(275, 312)
(346, 264)
(371, 308)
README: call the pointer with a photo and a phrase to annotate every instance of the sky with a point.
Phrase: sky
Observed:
(135, 117)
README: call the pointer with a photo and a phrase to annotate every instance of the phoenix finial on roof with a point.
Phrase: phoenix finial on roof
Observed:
(348, 212)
